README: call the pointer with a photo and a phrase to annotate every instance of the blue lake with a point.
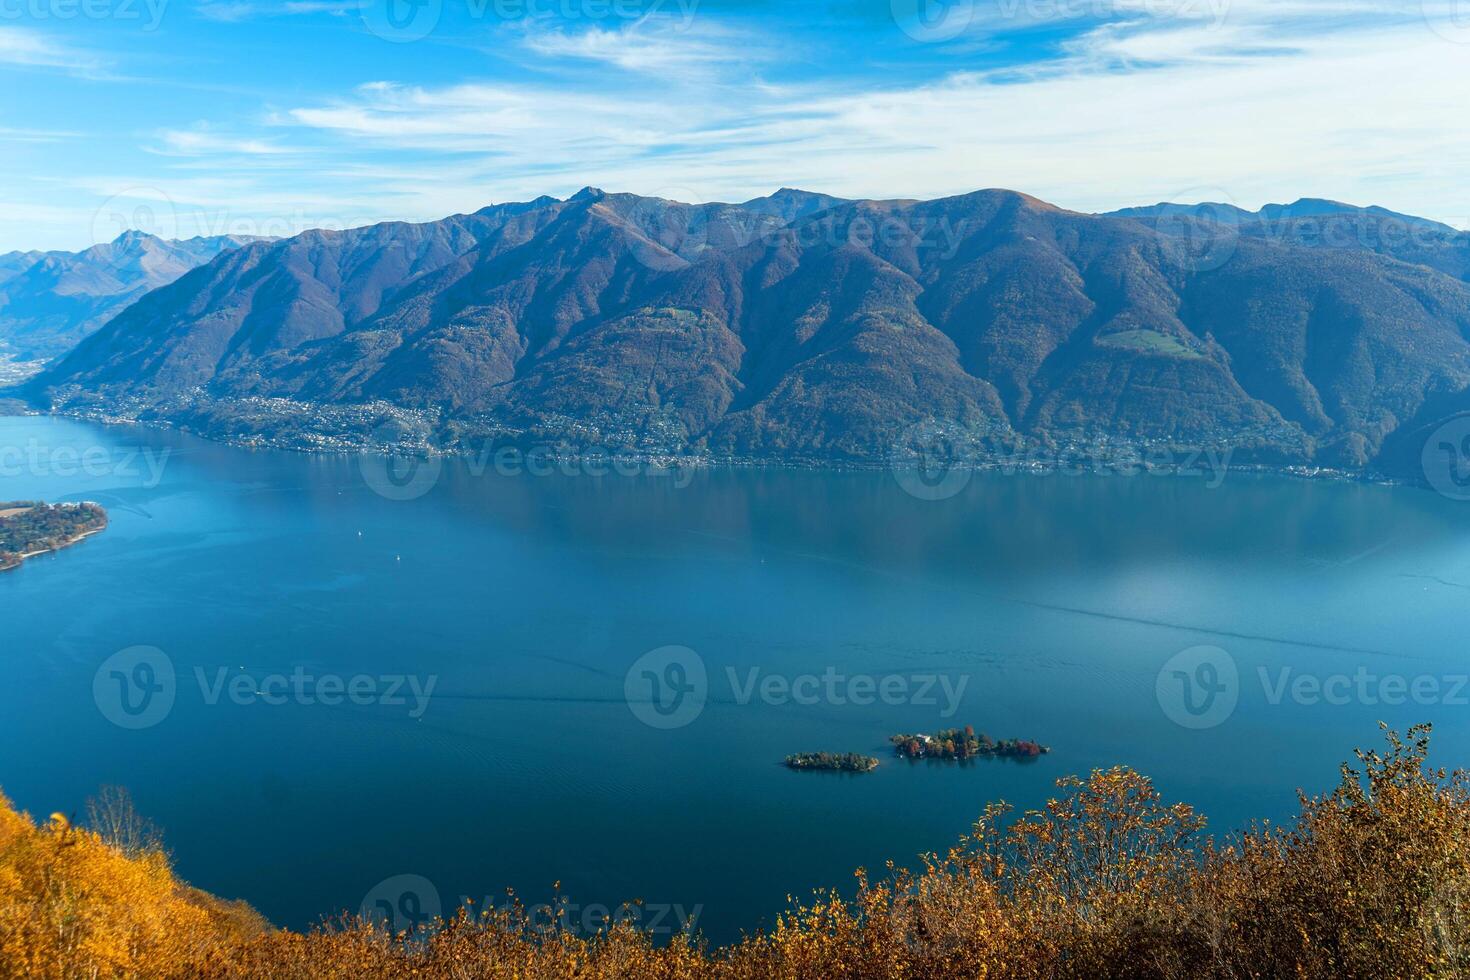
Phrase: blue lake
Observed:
(1045, 606)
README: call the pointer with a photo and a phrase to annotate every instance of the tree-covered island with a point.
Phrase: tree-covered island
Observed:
(29, 528)
(963, 743)
(832, 762)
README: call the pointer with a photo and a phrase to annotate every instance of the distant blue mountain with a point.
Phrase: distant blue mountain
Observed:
(1319, 223)
(1307, 207)
(49, 301)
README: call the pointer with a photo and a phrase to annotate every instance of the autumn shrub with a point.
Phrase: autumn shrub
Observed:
(73, 905)
(1106, 881)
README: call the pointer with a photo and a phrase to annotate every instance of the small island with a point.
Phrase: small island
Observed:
(30, 528)
(831, 762)
(963, 743)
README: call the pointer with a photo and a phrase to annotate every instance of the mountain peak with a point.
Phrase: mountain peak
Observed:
(588, 193)
(133, 237)
(790, 203)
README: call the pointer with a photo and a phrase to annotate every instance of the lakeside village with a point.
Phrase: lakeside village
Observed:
(949, 745)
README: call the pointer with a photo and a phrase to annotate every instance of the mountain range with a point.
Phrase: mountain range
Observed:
(805, 326)
(49, 301)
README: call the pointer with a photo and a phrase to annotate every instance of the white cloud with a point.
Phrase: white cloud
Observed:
(202, 142)
(236, 11)
(20, 47)
(1126, 115)
(649, 46)
(1280, 99)
(9, 135)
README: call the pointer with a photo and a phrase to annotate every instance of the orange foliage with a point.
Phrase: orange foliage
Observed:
(74, 906)
(1107, 881)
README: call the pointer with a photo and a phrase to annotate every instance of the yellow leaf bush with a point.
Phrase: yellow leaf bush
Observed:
(1371, 880)
(74, 906)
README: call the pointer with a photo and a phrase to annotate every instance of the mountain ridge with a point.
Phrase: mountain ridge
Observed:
(734, 330)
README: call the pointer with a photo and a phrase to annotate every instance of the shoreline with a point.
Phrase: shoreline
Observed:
(1061, 461)
(22, 557)
(65, 544)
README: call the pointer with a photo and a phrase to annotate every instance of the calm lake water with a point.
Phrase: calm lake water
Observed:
(1050, 604)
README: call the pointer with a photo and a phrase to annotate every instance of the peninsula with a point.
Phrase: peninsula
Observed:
(30, 528)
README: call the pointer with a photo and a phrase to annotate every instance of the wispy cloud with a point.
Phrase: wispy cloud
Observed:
(236, 11)
(24, 48)
(1115, 102)
(1124, 112)
(203, 142)
(651, 46)
(9, 135)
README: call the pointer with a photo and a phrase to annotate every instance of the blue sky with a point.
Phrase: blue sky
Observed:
(192, 117)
